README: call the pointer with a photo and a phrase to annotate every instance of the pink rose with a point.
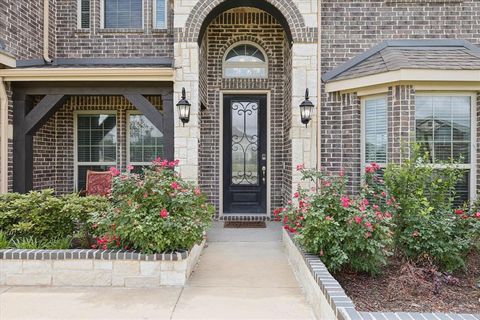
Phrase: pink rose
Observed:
(164, 213)
(130, 167)
(114, 171)
(300, 167)
(345, 202)
(358, 220)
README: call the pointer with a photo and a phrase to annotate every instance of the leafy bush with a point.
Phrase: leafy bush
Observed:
(3, 241)
(153, 212)
(345, 231)
(428, 226)
(41, 220)
(36, 214)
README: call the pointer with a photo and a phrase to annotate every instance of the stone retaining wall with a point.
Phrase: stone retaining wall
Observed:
(328, 299)
(96, 268)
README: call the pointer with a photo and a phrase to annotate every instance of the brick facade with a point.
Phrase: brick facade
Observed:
(54, 165)
(227, 29)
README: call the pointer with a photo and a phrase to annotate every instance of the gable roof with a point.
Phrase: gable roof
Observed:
(409, 54)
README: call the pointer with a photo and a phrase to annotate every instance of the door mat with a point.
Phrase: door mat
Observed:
(244, 224)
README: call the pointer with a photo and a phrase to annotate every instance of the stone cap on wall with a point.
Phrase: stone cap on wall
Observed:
(88, 254)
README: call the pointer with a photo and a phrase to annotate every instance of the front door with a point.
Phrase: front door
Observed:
(245, 154)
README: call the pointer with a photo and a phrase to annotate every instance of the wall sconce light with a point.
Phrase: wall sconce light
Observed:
(184, 108)
(306, 109)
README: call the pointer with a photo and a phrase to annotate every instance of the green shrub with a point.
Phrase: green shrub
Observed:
(26, 243)
(37, 214)
(345, 232)
(4, 243)
(40, 219)
(428, 226)
(154, 212)
(81, 209)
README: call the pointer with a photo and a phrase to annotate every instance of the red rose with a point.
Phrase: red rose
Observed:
(458, 211)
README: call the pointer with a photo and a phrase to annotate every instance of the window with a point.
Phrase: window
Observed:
(245, 60)
(160, 14)
(96, 144)
(375, 131)
(83, 14)
(444, 130)
(145, 141)
(123, 14)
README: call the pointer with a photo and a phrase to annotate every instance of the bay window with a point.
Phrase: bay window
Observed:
(444, 129)
(96, 144)
(374, 131)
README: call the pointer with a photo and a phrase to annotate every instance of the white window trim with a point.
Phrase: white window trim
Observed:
(363, 130)
(79, 15)
(76, 163)
(226, 64)
(473, 134)
(154, 14)
(130, 113)
(102, 17)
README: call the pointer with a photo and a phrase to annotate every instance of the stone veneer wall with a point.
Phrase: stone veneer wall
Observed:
(364, 24)
(225, 30)
(96, 268)
(54, 165)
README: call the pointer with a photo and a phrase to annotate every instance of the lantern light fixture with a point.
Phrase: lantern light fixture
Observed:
(306, 109)
(184, 108)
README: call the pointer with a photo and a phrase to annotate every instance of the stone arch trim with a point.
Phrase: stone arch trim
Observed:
(298, 30)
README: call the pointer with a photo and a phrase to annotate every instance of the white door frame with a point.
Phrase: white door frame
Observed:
(269, 153)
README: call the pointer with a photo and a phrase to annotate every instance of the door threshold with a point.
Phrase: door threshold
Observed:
(244, 217)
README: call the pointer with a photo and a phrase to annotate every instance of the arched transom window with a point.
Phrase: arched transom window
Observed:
(245, 60)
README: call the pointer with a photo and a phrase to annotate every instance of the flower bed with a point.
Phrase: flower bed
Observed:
(329, 300)
(410, 221)
(148, 232)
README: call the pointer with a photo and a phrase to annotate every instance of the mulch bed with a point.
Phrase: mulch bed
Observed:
(404, 287)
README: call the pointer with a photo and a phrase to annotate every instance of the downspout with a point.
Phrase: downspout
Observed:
(46, 22)
(3, 138)
(319, 84)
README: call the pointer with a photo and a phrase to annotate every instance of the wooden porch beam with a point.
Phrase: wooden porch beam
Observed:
(40, 114)
(163, 122)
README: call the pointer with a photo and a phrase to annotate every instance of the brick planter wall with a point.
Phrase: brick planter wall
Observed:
(96, 268)
(329, 300)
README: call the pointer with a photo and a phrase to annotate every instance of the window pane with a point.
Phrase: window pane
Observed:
(443, 128)
(245, 72)
(376, 130)
(245, 61)
(96, 138)
(85, 14)
(146, 141)
(123, 13)
(160, 14)
(445, 120)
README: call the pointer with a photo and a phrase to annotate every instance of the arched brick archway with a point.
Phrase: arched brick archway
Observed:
(285, 11)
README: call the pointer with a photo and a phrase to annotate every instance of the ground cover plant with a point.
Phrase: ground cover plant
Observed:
(401, 243)
(152, 212)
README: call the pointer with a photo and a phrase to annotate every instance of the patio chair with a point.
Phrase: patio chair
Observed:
(99, 183)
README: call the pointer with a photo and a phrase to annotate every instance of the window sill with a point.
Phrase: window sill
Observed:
(160, 30)
(121, 30)
(82, 30)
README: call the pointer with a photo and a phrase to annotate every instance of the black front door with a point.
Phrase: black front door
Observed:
(245, 154)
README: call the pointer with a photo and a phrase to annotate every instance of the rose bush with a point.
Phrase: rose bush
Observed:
(345, 231)
(154, 212)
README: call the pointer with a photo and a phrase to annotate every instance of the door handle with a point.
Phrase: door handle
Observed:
(264, 173)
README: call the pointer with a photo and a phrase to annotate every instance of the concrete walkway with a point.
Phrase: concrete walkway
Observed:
(242, 274)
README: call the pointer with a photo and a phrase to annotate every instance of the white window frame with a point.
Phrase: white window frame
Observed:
(102, 17)
(75, 143)
(154, 13)
(472, 167)
(226, 64)
(130, 113)
(79, 15)
(363, 130)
